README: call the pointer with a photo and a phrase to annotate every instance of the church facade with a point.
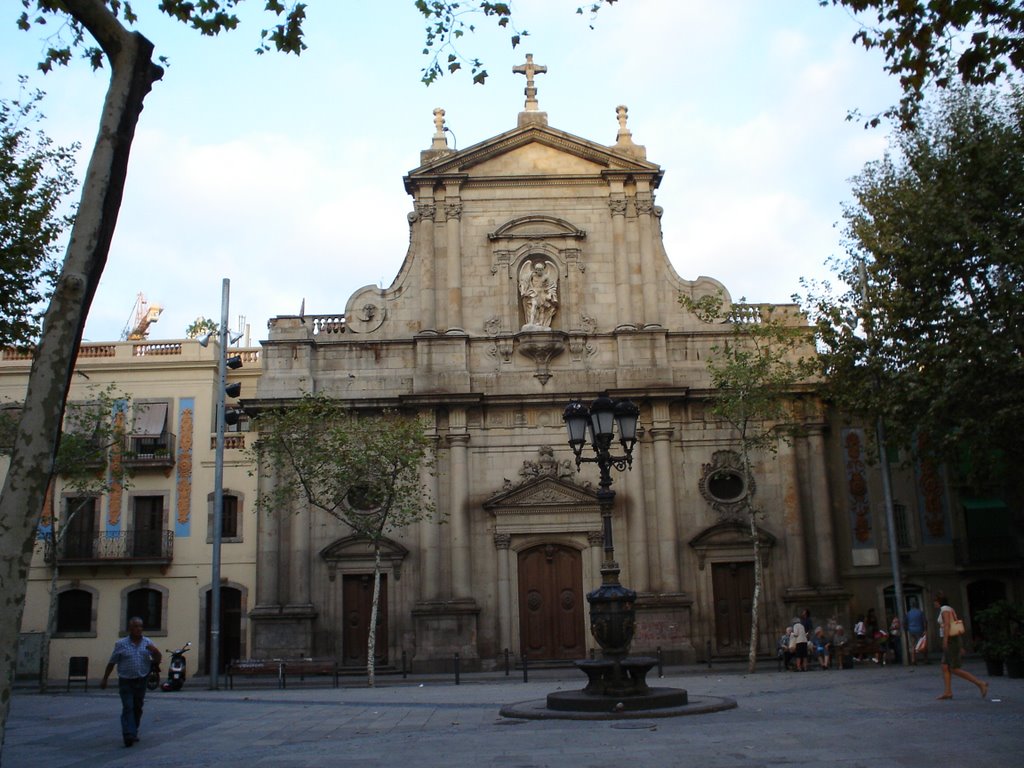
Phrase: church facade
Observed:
(536, 274)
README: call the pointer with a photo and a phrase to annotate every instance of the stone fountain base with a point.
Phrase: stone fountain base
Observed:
(581, 701)
(616, 688)
(538, 709)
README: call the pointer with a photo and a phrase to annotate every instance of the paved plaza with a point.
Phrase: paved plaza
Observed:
(868, 717)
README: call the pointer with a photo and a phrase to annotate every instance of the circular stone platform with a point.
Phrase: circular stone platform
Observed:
(537, 709)
(581, 701)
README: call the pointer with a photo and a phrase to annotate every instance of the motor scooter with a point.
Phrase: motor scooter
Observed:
(176, 669)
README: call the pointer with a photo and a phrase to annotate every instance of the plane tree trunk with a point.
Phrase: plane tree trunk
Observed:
(371, 640)
(38, 434)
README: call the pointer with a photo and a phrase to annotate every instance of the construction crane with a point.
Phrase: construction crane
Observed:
(143, 315)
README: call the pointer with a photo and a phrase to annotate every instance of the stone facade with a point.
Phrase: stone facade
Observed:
(536, 274)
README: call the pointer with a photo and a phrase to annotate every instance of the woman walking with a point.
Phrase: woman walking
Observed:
(951, 664)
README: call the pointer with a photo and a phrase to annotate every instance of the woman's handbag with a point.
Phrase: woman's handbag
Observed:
(956, 626)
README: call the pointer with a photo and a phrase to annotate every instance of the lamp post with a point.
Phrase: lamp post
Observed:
(218, 491)
(612, 612)
(883, 459)
(223, 418)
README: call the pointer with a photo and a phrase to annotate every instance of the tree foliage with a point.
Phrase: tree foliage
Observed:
(200, 327)
(338, 460)
(767, 359)
(936, 42)
(365, 470)
(928, 329)
(74, 24)
(35, 178)
(447, 22)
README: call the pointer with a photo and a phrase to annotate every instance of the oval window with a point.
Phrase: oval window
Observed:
(726, 485)
(365, 497)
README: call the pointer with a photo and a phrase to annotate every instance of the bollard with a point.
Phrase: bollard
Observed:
(405, 668)
(707, 651)
(456, 669)
(661, 667)
(506, 663)
(526, 674)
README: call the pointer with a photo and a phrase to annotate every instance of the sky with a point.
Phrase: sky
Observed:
(284, 174)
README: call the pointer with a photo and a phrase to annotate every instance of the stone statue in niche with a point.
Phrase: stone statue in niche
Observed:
(538, 288)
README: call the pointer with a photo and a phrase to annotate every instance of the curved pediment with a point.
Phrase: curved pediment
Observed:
(536, 227)
(355, 553)
(730, 538)
(729, 533)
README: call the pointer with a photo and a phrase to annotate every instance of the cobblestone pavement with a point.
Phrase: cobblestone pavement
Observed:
(870, 717)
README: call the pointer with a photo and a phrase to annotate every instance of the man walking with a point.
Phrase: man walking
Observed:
(133, 655)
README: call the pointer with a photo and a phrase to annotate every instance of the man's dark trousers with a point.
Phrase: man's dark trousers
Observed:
(133, 694)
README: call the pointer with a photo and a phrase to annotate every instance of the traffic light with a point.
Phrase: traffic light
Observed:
(234, 389)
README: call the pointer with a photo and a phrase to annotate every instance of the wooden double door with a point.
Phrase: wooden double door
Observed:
(733, 585)
(551, 616)
(357, 602)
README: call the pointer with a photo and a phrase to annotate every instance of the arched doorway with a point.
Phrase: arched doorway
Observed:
(551, 622)
(230, 628)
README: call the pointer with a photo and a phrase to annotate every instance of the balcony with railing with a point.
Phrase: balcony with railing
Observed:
(135, 547)
(156, 451)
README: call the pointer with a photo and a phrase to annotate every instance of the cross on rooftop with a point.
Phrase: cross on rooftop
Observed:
(530, 69)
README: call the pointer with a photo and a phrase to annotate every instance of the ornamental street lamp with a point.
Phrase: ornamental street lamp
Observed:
(612, 612)
(598, 424)
(616, 682)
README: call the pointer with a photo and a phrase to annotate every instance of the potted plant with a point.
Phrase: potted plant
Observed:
(994, 625)
(1015, 651)
(994, 654)
(1002, 637)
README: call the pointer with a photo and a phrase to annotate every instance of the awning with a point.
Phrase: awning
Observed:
(983, 504)
(150, 419)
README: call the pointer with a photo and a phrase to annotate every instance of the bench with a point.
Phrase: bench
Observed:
(308, 667)
(859, 647)
(256, 668)
(282, 669)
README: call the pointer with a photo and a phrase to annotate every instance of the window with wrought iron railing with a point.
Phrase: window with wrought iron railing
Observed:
(902, 526)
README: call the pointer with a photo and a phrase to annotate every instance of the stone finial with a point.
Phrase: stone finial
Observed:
(439, 144)
(624, 138)
(440, 140)
(622, 113)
